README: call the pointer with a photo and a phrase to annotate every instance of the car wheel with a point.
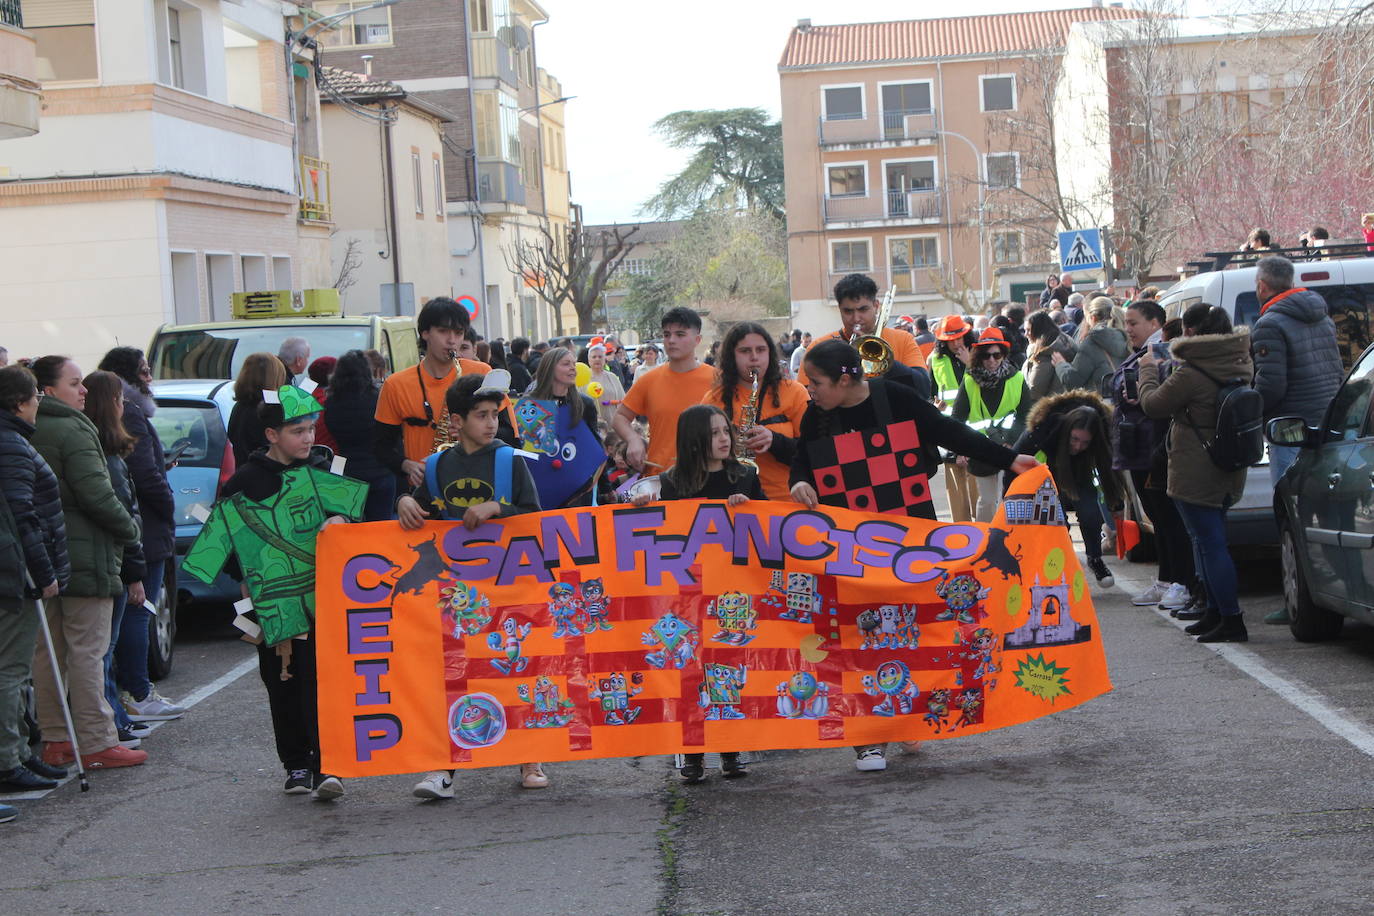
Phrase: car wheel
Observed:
(1308, 622)
(162, 628)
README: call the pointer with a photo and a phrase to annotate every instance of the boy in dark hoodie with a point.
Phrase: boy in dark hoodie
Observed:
(476, 480)
(266, 519)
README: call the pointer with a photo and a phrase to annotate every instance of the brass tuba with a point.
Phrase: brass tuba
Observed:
(875, 353)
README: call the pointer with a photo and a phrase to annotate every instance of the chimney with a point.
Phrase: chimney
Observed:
(803, 25)
(367, 66)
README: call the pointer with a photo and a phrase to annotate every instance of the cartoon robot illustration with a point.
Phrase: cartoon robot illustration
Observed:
(550, 709)
(466, 607)
(565, 607)
(507, 639)
(890, 626)
(892, 681)
(719, 693)
(614, 694)
(937, 709)
(962, 595)
(597, 604)
(977, 645)
(734, 613)
(678, 638)
(535, 423)
(795, 593)
(970, 703)
(802, 697)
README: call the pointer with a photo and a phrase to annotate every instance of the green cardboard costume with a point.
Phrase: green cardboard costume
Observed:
(274, 540)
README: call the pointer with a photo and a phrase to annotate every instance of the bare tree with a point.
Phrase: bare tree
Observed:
(570, 264)
(348, 265)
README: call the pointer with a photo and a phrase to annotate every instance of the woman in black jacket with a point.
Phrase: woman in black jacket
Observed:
(348, 412)
(147, 466)
(33, 539)
(259, 372)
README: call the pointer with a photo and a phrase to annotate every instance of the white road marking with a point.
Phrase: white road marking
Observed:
(196, 696)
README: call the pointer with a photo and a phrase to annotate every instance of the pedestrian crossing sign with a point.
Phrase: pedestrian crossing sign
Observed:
(1080, 249)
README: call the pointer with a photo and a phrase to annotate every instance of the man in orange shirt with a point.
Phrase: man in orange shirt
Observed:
(661, 395)
(748, 349)
(857, 297)
(410, 407)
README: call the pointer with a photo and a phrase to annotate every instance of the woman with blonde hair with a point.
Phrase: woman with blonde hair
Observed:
(1102, 345)
(259, 371)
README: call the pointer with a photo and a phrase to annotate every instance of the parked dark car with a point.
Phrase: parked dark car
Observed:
(1325, 511)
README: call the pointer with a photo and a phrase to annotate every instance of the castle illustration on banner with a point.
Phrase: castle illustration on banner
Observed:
(1051, 620)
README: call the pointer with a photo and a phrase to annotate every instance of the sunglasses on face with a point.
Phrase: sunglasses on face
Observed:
(993, 354)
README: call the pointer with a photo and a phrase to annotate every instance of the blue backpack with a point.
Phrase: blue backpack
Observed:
(502, 464)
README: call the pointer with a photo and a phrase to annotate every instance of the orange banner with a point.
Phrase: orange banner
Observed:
(689, 626)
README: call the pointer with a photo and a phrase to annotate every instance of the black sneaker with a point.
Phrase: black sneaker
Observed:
(299, 782)
(22, 779)
(730, 767)
(1100, 570)
(693, 768)
(129, 739)
(43, 769)
(327, 788)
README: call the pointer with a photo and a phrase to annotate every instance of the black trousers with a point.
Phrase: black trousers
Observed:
(1171, 537)
(293, 702)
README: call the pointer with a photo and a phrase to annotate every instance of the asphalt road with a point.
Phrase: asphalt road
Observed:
(1193, 787)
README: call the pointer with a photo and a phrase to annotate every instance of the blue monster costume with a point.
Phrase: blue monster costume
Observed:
(570, 455)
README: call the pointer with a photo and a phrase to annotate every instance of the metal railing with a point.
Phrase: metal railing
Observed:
(11, 13)
(317, 195)
(909, 125)
(919, 204)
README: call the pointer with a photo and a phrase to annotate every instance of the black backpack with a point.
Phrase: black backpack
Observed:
(1238, 441)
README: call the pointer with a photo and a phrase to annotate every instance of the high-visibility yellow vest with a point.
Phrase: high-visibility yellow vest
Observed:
(1005, 418)
(946, 380)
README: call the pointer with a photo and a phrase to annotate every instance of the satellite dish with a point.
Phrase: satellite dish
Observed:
(520, 37)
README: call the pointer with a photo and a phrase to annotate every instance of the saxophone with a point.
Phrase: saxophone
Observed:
(874, 352)
(443, 436)
(748, 418)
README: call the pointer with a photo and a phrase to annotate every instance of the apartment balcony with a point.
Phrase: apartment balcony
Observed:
(879, 129)
(19, 90)
(918, 207)
(924, 279)
(317, 194)
(493, 59)
(499, 186)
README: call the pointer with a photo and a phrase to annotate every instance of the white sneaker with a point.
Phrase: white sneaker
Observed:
(1176, 597)
(153, 708)
(438, 784)
(532, 776)
(872, 757)
(1152, 595)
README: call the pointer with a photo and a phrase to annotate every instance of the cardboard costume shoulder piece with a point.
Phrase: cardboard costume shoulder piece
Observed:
(881, 469)
(274, 542)
(570, 456)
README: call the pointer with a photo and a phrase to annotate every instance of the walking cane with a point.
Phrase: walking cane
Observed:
(61, 687)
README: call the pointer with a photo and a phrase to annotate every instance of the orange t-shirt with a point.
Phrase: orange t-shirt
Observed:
(401, 397)
(784, 419)
(661, 396)
(904, 349)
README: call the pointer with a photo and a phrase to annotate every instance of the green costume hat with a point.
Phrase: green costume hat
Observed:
(296, 403)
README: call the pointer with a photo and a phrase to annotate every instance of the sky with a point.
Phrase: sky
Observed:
(629, 62)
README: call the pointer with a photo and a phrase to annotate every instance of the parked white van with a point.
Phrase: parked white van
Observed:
(1347, 285)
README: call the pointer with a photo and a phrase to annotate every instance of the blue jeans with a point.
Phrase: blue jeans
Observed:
(1207, 530)
(121, 716)
(131, 644)
(1281, 458)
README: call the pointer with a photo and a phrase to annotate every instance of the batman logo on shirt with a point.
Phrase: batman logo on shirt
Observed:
(468, 491)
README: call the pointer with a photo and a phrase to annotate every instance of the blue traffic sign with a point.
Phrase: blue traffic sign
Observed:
(1080, 249)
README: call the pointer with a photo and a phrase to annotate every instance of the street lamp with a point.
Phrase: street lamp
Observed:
(982, 192)
(541, 104)
(333, 17)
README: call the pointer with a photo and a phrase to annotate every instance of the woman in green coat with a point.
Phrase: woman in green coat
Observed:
(98, 529)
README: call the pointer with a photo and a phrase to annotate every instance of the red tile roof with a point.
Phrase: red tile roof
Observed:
(925, 39)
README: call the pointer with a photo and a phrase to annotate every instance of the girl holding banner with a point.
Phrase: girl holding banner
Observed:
(559, 424)
(769, 419)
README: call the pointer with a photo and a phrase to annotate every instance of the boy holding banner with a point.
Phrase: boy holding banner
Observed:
(477, 480)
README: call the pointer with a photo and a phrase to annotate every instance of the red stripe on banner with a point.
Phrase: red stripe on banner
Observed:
(575, 659)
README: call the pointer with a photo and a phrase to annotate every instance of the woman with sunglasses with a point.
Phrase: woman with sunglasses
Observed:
(993, 400)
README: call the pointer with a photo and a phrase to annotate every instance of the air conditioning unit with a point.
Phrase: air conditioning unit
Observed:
(284, 303)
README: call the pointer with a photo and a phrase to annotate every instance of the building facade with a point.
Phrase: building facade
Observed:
(477, 60)
(894, 154)
(170, 172)
(385, 149)
(19, 88)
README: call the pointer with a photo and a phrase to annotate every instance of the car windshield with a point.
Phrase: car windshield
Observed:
(219, 352)
(192, 432)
